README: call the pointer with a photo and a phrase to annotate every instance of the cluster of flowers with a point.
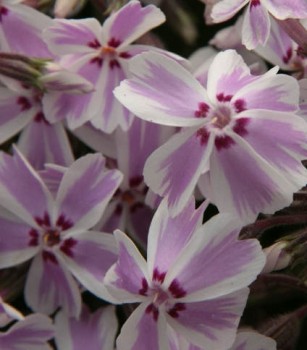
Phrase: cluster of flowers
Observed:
(219, 127)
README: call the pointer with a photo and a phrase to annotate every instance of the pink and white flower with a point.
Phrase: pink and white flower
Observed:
(241, 140)
(54, 229)
(256, 23)
(100, 54)
(191, 282)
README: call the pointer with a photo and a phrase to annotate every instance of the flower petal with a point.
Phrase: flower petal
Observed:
(165, 174)
(256, 26)
(43, 143)
(127, 285)
(169, 236)
(206, 268)
(68, 36)
(211, 324)
(142, 331)
(88, 256)
(253, 341)
(49, 285)
(91, 331)
(15, 240)
(33, 332)
(283, 9)
(131, 22)
(225, 9)
(161, 91)
(227, 81)
(22, 191)
(86, 189)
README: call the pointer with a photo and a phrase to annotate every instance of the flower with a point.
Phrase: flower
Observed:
(190, 283)
(240, 138)
(54, 229)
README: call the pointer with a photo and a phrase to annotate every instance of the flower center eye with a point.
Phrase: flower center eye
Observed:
(221, 117)
(159, 296)
(108, 50)
(51, 237)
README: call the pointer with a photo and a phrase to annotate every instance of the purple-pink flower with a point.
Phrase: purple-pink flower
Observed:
(240, 140)
(191, 282)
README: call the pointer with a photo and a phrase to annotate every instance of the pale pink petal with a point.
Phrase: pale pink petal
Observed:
(131, 22)
(16, 243)
(52, 176)
(33, 332)
(206, 267)
(283, 141)
(169, 236)
(42, 143)
(211, 324)
(8, 313)
(227, 81)
(22, 191)
(86, 189)
(88, 256)
(93, 331)
(278, 92)
(247, 340)
(164, 171)
(127, 280)
(225, 9)
(68, 36)
(283, 9)
(159, 91)
(50, 285)
(110, 113)
(245, 184)
(142, 331)
(256, 26)
(22, 27)
(15, 113)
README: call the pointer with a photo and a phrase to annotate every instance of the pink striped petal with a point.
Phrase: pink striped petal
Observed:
(245, 184)
(227, 81)
(52, 176)
(42, 143)
(141, 331)
(15, 113)
(22, 191)
(206, 268)
(33, 332)
(131, 22)
(256, 26)
(49, 285)
(249, 340)
(86, 189)
(16, 243)
(169, 236)
(225, 9)
(159, 91)
(211, 324)
(164, 171)
(127, 285)
(68, 36)
(93, 331)
(88, 256)
(272, 91)
(283, 9)
(22, 27)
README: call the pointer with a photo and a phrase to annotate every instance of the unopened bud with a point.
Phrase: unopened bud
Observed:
(276, 257)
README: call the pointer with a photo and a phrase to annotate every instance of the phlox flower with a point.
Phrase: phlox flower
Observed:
(99, 54)
(53, 229)
(191, 283)
(256, 23)
(92, 331)
(240, 138)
